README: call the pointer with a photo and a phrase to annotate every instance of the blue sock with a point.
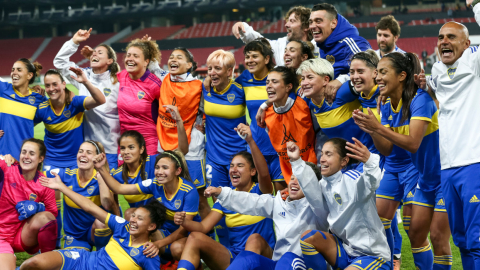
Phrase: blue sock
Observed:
(442, 262)
(387, 225)
(102, 236)
(468, 262)
(423, 257)
(222, 233)
(313, 259)
(475, 253)
(397, 238)
(406, 223)
(59, 224)
(251, 261)
(185, 265)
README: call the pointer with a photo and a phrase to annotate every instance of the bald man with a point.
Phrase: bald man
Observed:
(455, 80)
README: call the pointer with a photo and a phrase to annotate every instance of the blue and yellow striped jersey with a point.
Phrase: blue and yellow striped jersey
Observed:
(17, 113)
(427, 157)
(255, 95)
(140, 199)
(185, 199)
(224, 111)
(75, 220)
(240, 227)
(336, 119)
(370, 101)
(119, 253)
(63, 131)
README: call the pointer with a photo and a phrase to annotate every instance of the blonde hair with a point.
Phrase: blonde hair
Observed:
(318, 65)
(225, 59)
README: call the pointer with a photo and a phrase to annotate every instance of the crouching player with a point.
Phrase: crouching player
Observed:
(356, 239)
(290, 217)
(28, 211)
(125, 249)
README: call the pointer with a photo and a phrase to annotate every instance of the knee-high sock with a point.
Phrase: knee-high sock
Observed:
(102, 236)
(47, 236)
(185, 265)
(397, 238)
(423, 257)
(406, 223)
(59, 223)
(468, 260)
(387, 225)
(313, 259)
(222, 233)
(442, 262)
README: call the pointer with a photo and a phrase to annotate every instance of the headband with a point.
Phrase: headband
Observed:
(96, 146)
(172, 155)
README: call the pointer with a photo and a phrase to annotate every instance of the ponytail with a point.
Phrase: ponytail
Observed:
(34, 68)
(68, 93)
(143, 157)
(114, 67)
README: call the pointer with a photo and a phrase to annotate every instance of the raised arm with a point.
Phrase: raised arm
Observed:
(84, 203)
(124, 189)
(245, 32)
(97, 97)
(264, 180)
(246, 203)
(182, 134)
(107, 197)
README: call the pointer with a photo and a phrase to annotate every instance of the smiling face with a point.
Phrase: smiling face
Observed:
(130, 150)
(386, 40)
(178, 63)
(85, 155)
(312, 83)
(166, 170)
(452, 42)
(135, 62)
(99, 58)
(20, 75)
(141, 223)
(219, 74)
(330, 160)
(277, 91)
(54, 86)
(294, 190)
(362, 76)
(387, 79)
(321, 25)
(255, 62)
(241, 172)
(294, 27)
(30, 156)
(293, 55)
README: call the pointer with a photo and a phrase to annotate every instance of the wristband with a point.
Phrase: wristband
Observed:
(265, 106)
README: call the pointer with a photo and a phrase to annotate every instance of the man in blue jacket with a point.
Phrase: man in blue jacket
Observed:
(336, 38)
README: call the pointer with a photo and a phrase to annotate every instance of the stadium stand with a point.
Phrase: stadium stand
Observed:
(157, 33)
(217, 29)
(442, 21)
(371, 24)
(415, 45)
(276, 27)
(13, 49)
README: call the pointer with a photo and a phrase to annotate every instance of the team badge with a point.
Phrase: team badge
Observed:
(316, 54)
(107, 91)
(68, 240)
(140, 95)
(31, 100)
(178, 203)
(68, 254)
(90, 189)
(330, 59)
(32, 197)
(67, 113)
(231, 97)
(147, 183)
(119, 219)
(134, 252)
(451, 72)
(288, 137)
(338, 199)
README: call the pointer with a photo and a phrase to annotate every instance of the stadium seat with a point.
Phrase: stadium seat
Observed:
(277, 27)
(416, 45)
(13, 49)
(157, 33)
(217, 29)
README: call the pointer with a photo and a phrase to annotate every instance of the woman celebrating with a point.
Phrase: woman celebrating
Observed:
(101, 123)
(243, 174)
(172, 187)
(18, 105)
(28, 209)
(139, 91)
(124, 251)
(356, 239)
(409, 119)
(81, 229)
(289, 119)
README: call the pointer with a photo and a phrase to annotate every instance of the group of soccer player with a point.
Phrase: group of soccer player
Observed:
(340, 136)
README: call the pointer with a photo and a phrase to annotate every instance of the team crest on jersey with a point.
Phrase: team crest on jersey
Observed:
(178, 203)
(451, 72)
(31, 100)
(231, 97)
(68, 240)
(67, 113)
(134, 252)
(107, 91)
(286, 137)
(140, 95)
(68, 254)
(338, 199)
(330, 59)
(32, 197)
(90, 189)
(316, 54)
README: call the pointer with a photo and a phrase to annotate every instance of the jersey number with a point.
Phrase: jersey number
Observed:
(209, 171)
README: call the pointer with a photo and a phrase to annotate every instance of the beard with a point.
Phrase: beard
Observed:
(295, 35)
(387, 48)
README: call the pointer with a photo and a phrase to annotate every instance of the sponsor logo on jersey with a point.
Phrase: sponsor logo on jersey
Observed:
(474, 199)
(231, 97)
(119, 219)
(330, 59)
(251, 80)
(174, 101)
(298, 263)
(30, 207)
(359, 262)
(338, 198)
(134, 252)
(282, 214)
(140, 95)
(451, 72)
(196, 182)
(441, 202)
(49, 119)
(410, 195)
(90, 189)
(287, 138)
(32, 197)
(159, 199)
(31, 100)
(107, 91)
(390, 118)
(14, 185)
(178, 203)
(147, 183)
(67, 113)
(12, 95)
